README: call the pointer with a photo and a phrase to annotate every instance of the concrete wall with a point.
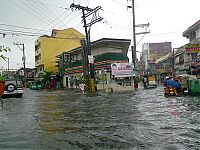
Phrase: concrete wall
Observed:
(115, 87)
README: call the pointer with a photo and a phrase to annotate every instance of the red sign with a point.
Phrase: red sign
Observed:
(192, 48)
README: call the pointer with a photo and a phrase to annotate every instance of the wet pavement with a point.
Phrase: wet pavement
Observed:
(65, 120)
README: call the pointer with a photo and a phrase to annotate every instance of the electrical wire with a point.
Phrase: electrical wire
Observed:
(49, 12)
(171, 32)
(45, 9)
(71, 18)
(14, 26)
(47, 4)
(16, 4)
(119, 3)
(36, 10)
(52, 22)
(88, 2)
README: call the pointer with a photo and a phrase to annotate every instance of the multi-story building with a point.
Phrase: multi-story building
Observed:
(48, 47)
(164, 66)
(187, 57)
(105, 51)
(193, 33)
(153, 51)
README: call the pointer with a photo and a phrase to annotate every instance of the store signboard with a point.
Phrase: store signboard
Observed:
(122, 69)
(192, 48)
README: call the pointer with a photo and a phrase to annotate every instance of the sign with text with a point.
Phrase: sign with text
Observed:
(122, 69)
(192, 48)
(91, 59)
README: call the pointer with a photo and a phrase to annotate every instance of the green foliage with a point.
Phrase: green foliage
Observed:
(2, 77)
(47, 77)
(3, 49)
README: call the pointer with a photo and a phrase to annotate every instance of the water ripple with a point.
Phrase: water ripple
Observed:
(68, 120)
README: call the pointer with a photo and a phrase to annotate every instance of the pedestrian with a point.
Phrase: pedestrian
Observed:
(145, 81)
(82, 87)
(177, 85)
(165, 81)
(170, 82)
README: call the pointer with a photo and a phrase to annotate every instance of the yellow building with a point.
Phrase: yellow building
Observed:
(48, 47)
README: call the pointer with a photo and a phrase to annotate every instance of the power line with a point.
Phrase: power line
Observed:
(46, 9)
(24, 32)
(27, 11)
(52, 22)
(37, 18)
(36, 11)
(35, 15)
(171, 32)
(8, 25)
(88, 3)
(119, 3)
(71, 18)
(47, 4)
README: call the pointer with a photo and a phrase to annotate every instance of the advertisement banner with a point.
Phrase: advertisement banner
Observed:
(122, 69)
(192, 48)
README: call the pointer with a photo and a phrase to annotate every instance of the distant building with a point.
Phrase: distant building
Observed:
(48, 47)
(153, 51)
(157, 50)
(30, 74)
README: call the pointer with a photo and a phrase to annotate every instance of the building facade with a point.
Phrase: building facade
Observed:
(48, 47)
(187, 57)
(105, 51)
(151, 52)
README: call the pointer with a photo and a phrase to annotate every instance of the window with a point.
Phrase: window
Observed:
(194, 56)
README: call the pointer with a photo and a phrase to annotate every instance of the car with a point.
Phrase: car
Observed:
(36, 85)
(13, 88)
(152, 84)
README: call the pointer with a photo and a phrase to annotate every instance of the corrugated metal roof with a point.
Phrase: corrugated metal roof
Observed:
(191, 28)
(163, 58)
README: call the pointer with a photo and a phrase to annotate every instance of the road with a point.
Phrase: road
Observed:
(65, 120)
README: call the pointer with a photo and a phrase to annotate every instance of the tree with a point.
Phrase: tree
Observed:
(47, 77)
(3, 49)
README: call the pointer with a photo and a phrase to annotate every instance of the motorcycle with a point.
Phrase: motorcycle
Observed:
(170, 91)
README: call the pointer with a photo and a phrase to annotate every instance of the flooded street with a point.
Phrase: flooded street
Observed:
(68, 120)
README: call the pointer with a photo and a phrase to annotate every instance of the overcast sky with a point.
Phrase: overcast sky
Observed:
(24, 20)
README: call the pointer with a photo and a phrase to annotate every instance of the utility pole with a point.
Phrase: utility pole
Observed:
(133, 48)
(8, 63)
(90, 83)
(23, 59)
(134, 38)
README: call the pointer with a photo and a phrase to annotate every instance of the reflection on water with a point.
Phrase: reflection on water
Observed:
(69, 120)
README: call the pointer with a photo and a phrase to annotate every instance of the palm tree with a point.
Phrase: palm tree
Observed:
(47, 77)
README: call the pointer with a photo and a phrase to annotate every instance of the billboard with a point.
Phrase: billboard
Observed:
(192, 48)
(122, 69)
